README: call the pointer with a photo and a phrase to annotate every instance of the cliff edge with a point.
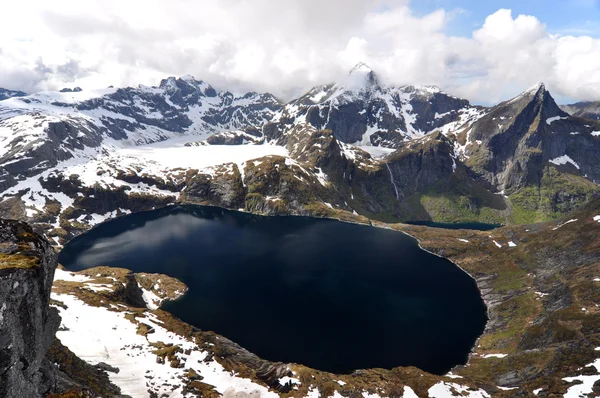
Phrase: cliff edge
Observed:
(27, 323)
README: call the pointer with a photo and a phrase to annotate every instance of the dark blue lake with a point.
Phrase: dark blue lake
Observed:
(326, 294)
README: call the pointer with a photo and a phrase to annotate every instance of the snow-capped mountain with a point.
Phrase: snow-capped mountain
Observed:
(71, 159)
(357, 150)
(363, 111)
(42, 129)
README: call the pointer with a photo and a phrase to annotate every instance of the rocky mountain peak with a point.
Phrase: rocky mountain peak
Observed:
(187, 85)
(189, 79)
(536, 91)
(541, 99)
(547, 104)
(536, 88)
(422, 90)
(168, 83)
(361, 67)
(361, 77)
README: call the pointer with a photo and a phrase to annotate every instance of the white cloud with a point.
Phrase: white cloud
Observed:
(284, 47)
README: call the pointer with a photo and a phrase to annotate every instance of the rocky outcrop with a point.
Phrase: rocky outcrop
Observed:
(419, 165)
(29, 351)
(431, 182)
(225, 188)
(27, 324)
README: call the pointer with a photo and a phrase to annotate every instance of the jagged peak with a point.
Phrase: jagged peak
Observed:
(540, 86)
(169, 82)
(188, 78)
(173, 84)
(537, 90)
(361, 77)
(361, 67)
(543, 100)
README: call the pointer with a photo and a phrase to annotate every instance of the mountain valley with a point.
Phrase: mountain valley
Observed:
(387, 153)
(359, 151)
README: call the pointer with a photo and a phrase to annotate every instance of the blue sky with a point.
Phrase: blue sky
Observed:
(575, 17)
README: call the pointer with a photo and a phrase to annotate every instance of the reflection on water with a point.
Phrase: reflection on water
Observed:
(326, 294)
(154, 233)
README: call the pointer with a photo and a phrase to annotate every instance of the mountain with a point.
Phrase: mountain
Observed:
(50, 127)
(363, 111)
(524, 160)
(357, 150)
(527, 147)
(587, 109)
(5, 94)
(69, 160)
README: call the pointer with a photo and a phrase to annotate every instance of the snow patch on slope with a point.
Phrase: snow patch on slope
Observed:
(551, 120)
(564, 159)
(97, 334)
(587, 383)
(445, 390)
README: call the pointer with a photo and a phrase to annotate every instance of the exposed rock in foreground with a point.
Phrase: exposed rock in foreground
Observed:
(28, 325)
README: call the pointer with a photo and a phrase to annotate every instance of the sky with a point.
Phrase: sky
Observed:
(485, 51)
(565, 17)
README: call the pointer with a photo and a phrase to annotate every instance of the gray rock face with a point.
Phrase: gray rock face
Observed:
(225, 189)
(521, 136)
(29, 349)
(435, 109)
(416, 168)
(27, 324)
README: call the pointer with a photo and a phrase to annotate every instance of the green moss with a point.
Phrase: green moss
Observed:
(460, 199)
(518, 311)
(454, 208)
(558, 194)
